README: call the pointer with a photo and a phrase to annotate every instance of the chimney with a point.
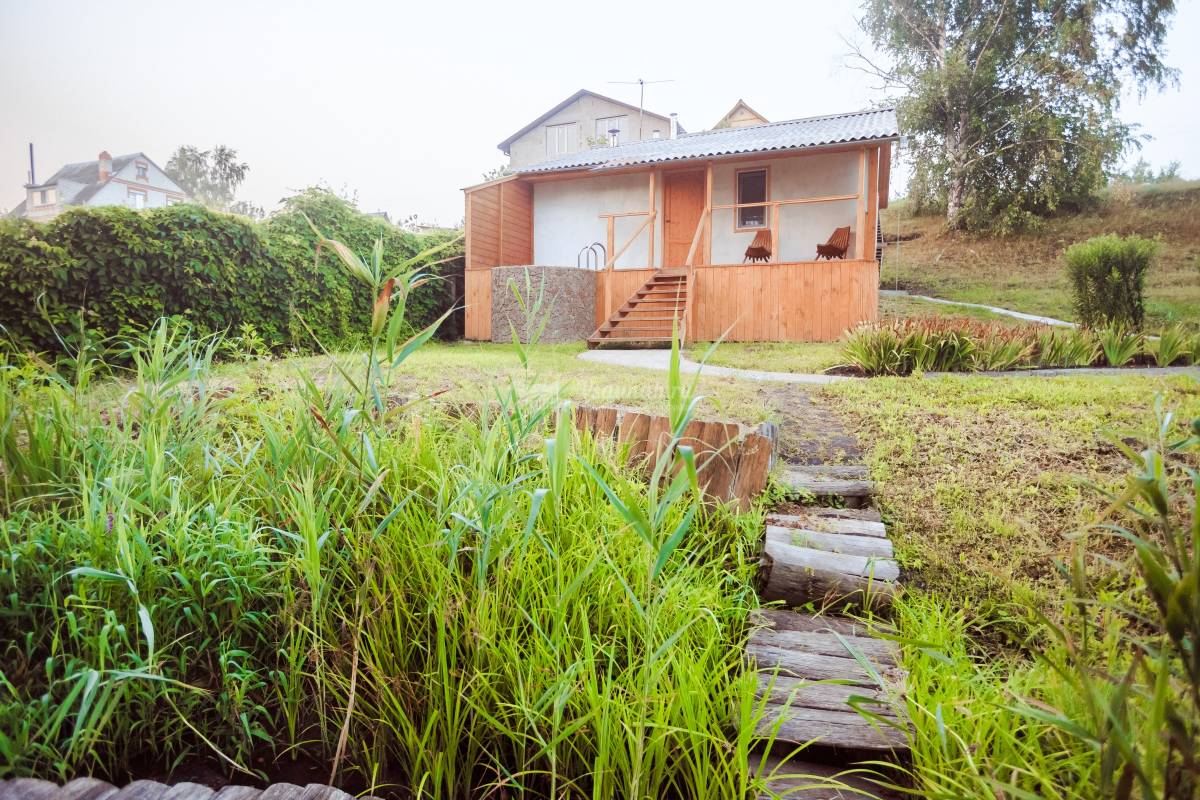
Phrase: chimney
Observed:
(674, 124)
(105, 166)
(32, 175)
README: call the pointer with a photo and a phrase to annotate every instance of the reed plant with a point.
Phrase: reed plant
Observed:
(466, 601)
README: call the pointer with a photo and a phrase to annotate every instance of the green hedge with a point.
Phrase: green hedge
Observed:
(124, 269)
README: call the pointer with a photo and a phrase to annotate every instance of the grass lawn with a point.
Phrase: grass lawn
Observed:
(1026, 272)
(471, 370)
(982, 477)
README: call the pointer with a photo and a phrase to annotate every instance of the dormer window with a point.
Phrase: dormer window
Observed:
(143, 170)
(45, 197)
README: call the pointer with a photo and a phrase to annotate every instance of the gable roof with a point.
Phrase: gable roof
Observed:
(740, 104)
(581, 93)
(796, 134)
(88, 173)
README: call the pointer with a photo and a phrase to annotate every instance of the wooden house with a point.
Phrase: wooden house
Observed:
(754, 232)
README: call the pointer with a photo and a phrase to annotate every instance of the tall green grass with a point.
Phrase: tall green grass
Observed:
(462, 607)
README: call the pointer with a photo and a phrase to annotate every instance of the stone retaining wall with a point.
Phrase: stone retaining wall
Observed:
(569, 303)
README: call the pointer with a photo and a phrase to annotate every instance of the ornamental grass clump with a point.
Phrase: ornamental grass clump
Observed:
(1120, 345)
(1170, 346)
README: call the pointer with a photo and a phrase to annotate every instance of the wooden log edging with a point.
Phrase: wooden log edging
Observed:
(94, 789)
(732, 460)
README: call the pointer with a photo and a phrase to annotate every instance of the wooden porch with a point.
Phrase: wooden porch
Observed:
(672, 235)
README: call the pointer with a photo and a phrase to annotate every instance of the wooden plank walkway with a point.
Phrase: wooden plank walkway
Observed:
(827, 683)
(93, 789)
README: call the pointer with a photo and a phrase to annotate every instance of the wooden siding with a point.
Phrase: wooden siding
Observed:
(499, 231)
(624, 283)
(797, 302)
(477, 296)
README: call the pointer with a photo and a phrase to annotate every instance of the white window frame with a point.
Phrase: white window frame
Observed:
(604, 124)
(558, 139)
(141, 170)
(133, 194)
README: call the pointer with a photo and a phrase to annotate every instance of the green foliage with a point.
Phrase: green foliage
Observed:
(931, 344)
(1132, 655)
(449, 603)
(1108, 279)
(1141, 173)
(115, 271)
(1170, 346)
(1012, 110)
(210, 177)
(1120, 345)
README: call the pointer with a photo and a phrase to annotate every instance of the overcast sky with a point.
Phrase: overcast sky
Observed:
(402, 104)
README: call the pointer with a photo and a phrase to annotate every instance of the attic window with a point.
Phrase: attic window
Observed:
(605, 126)
(562, 139)
(752, 188)
(143, 170)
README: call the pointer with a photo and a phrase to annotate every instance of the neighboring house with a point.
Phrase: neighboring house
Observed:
(740, 116)
(664, 228)
(583, 121)
(134, 181)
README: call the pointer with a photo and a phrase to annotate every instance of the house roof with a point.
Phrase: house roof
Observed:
(796, 134)
(508, 142)
(88, 174)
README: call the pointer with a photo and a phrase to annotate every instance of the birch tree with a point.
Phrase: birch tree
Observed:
(1011, 105)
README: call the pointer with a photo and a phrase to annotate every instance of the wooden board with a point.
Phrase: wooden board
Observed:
(876, 546)
(477, 297)
(797, 779)
(798, 576)
(828, 523)
(803, 480)
(797, 301)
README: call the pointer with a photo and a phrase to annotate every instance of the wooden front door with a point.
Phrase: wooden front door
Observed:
(683, 204)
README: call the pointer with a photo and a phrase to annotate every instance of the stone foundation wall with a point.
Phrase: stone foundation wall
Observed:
(570, 302)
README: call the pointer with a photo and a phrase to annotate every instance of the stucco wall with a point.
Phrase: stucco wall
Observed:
(801, 227)
(570, 302)
(566, 217)
(531, 148)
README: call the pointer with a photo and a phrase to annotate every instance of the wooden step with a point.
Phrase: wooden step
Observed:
(800, 779)
(814, 520)
(798, 576)
(809, 481)
(813, 682)
(850, 544)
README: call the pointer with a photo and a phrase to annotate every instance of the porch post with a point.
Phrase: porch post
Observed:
(861, 215)
(653, 219)
(708, 186)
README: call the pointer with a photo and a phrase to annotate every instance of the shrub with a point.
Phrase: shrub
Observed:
(114, 271)
(1108, 278)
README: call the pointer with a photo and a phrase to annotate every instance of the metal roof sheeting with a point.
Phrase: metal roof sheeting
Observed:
(857, 126)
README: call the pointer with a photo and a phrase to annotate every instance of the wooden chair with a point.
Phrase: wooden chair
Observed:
(760, 248)
(837, 245)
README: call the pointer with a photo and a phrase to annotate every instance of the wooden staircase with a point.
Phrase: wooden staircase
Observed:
(645, 320)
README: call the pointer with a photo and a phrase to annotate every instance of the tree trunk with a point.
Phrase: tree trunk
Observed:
(956, 175)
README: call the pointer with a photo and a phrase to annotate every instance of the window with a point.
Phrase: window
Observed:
(173, 201)
(752, 188)
(137, 198)
(606, 124)
(562, 139)
(45, 197)
(143, 170)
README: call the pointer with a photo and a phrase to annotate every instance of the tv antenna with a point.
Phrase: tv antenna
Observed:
(641, 84)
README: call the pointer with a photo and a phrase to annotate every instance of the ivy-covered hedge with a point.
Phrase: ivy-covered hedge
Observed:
(124, 269)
